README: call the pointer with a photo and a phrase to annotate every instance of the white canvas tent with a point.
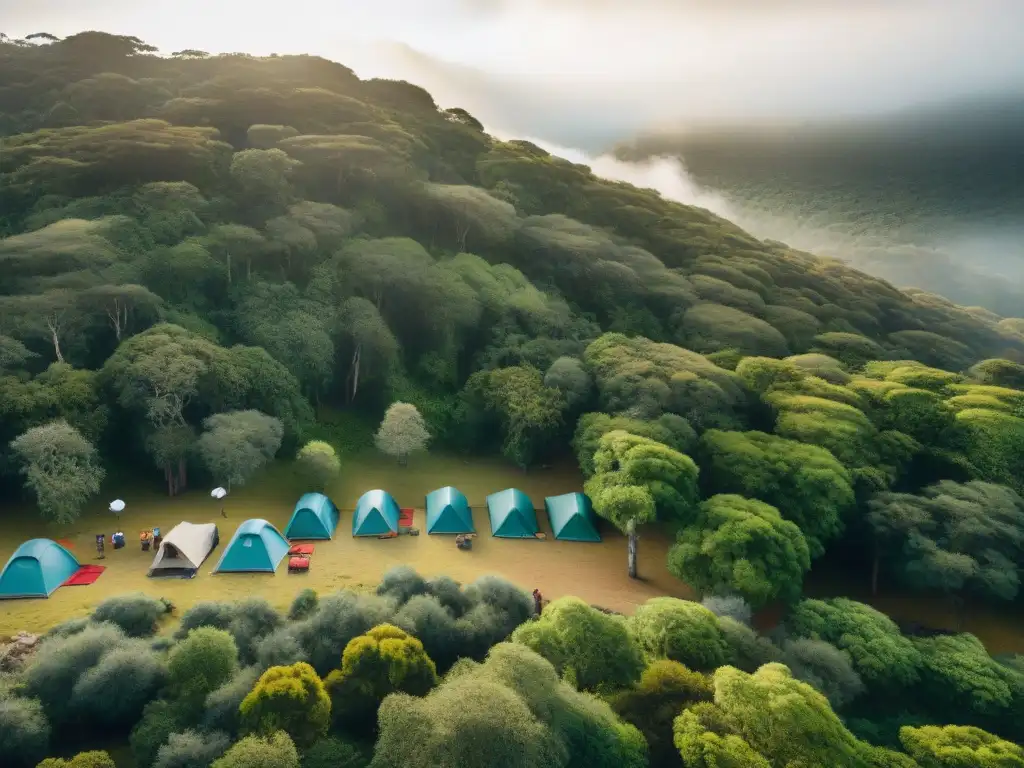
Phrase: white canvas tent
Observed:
(184, 549)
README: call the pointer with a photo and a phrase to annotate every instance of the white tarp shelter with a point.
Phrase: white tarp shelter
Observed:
(184, 549)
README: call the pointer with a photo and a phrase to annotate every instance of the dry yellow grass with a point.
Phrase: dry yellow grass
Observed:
(594, 572)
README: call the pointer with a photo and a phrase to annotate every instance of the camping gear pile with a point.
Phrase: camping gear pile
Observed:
(299, 557)
(406, 515)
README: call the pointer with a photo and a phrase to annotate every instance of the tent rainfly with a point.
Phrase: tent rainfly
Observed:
(315, 518)
(572, 517)
(448, 512)
(512, 515)
(376, 514)
(36, 569)
(257, 546)
(184, 549)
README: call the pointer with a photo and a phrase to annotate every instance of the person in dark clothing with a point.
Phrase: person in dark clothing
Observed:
(538, 602)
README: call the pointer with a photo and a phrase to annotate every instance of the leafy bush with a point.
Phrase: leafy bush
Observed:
(338, 618)
(61, 661)
(303, 605)
(202, 662)
(192, 749)
(592, 649)
(248, 621)
(67, 628)
(383, 661)
(136, 614)
(665, 688)
(254, 619)
(114, 692)
(159, 720)
(24, 732)
(333, 753)
(731, 606)
(222, 705)
(825, 667)
(276, 751)
(279, 649)
(746, 649)
(206, 614)
(93, 759)
(290, 699)
(402, 583)
(680, 630)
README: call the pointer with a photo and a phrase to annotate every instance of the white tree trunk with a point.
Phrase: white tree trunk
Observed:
(631, 547)
(53, 325)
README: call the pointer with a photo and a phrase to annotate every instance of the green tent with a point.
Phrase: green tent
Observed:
(376, 514)
(315, 517)
(512, 515)
(572, 517)
(36, 569)
(257, 546)
(448, 512)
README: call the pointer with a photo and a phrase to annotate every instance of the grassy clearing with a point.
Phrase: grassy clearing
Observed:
(595, 572)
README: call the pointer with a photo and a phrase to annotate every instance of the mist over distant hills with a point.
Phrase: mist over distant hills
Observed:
(931, 196)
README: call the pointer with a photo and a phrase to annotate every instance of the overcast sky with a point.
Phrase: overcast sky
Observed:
(590, 69)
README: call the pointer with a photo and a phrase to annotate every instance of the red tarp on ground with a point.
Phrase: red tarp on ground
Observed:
(66, 543)
(301, 549)
(405, 517)
(86, 574)
(298, 563)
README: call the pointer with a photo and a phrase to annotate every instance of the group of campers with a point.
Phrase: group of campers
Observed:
(147, 539)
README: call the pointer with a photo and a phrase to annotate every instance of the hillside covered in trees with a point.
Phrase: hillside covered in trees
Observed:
(200, 253)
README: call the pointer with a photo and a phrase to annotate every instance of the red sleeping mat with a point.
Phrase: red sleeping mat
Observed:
(86, 574)
(405, 517)
(302, 549)
(298, 563)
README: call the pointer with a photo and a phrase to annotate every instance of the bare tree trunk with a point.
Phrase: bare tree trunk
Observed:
(631, 547)
(118, 318)
(228, 253)
(169, 478)
(182, 475)
(53, 325)
(461, 233)
(353, 372)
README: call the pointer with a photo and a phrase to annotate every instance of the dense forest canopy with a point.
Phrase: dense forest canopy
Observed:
(201, 254)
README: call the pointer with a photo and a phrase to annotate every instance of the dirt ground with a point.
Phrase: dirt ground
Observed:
(593, 572)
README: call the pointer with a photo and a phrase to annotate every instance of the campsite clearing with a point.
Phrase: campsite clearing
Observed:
(594, 571)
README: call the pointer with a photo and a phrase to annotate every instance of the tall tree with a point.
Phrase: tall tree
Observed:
(744, 547)
(636, 481)
(319, 463)
(402, 431)
(60, 468)
(237, 444)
